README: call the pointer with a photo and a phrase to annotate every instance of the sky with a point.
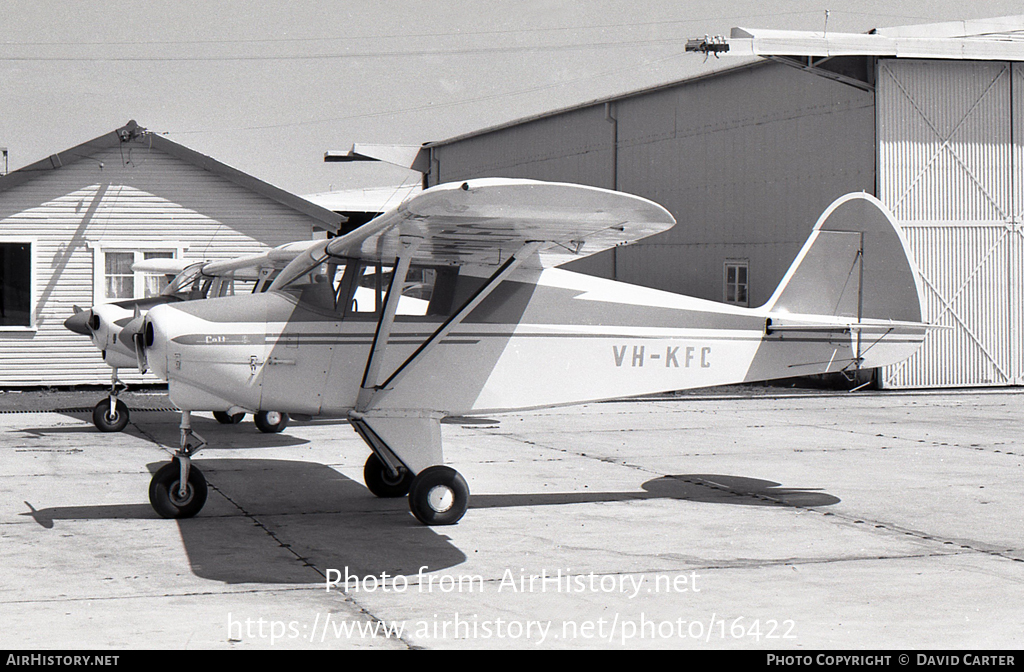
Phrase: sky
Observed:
(268, 87)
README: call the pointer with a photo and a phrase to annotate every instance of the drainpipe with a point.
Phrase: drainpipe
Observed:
(615, 144)
(610, 118)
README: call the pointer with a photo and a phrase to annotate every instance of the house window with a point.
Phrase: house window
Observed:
(736, 287)
(120, 282)
(15, 284)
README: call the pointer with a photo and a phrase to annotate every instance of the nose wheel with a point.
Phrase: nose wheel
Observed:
(110, 415)
(439, 495)
(178, 489)
(169, 498)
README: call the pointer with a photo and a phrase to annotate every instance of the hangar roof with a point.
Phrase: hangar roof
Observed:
(132, 132)
(1000, 38)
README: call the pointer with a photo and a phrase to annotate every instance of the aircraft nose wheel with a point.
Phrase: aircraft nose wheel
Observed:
(165, 494)
(270, 422)
(381, 482)
(106, 421)
(439, 495)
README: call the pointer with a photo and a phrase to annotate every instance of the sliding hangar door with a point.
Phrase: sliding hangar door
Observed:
(950, 168)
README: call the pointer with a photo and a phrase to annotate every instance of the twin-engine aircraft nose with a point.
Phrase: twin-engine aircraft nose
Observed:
(82, 322)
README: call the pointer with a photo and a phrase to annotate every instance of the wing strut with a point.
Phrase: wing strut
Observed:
(513, 262)
(386, 322)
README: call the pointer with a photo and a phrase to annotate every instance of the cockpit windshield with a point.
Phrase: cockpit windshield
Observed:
(183, 281)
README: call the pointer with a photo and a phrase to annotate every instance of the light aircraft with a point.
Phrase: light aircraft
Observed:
(192, 280)
(496, 327)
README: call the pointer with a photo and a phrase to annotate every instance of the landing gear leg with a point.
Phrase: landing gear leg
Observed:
(111, 414)
(438, 495)
(178, 489)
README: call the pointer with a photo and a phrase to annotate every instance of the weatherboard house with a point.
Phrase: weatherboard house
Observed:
(72, 225)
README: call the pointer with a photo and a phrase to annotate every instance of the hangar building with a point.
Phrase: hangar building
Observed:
(72, 225)
(930, 119)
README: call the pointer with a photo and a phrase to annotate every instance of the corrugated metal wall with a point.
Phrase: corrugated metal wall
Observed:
(949, 168)
(745, 161)
(101, 200)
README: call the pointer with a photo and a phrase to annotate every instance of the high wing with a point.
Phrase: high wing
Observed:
(276, 257)
(484, 222)
(247, 265)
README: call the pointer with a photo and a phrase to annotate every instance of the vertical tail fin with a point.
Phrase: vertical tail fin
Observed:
(855, 264)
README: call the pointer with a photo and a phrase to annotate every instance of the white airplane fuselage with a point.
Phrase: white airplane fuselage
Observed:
(552, 338)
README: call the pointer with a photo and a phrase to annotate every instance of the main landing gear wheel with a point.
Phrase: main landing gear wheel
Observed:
(165, 494)
(107, 422)
(225, 419)
(381, 482)
(438, 496)
(270, 422)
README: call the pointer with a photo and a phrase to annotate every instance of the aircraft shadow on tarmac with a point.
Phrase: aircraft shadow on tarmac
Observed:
(280, 521)
(707, 488)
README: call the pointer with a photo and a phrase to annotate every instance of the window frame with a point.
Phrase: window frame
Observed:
(33, 244)
(737, 264)
(139, 249)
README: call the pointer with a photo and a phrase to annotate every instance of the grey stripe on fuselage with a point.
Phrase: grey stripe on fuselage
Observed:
(511, 303)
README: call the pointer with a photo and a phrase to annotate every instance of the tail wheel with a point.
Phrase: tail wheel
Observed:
(165, 494)
(270, 422)
(381, 482)
(106, 421)
(225, 419)
(439, 495)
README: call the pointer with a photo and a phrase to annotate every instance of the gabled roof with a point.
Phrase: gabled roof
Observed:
(132, 132)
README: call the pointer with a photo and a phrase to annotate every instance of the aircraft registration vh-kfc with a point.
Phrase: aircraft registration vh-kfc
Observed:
(469, 315)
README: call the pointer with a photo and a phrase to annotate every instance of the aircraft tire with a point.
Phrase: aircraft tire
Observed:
(163, 491)
(225, 419)
(104, 421)
(380, 482)
(270, 422)
(439, 496)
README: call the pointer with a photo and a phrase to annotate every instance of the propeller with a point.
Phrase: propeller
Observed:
(133, 335)
(83, 322)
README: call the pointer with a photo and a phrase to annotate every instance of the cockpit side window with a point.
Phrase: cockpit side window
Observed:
(425, 292)
(357, 289)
